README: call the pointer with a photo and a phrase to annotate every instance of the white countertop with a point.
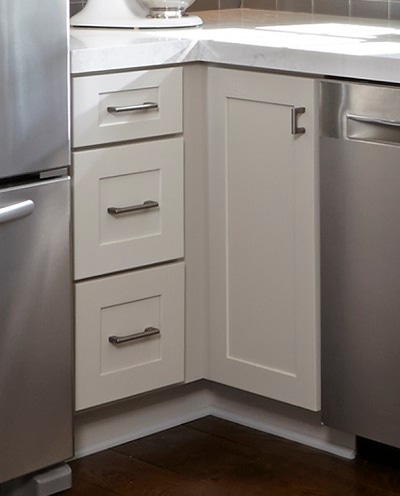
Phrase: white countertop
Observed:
(303, 43)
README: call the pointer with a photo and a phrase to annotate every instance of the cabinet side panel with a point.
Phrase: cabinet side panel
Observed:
(196, 222)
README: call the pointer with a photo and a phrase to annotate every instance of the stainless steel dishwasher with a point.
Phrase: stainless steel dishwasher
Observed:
(360, 259)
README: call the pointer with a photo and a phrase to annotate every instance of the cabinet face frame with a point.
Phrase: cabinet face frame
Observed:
(293, 371)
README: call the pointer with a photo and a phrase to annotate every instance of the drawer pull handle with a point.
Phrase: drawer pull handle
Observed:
(149, 331)
(133, 208)
(133, 108)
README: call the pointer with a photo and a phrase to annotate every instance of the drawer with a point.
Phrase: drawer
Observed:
(129, 177)
(126, 305)
(125, 106)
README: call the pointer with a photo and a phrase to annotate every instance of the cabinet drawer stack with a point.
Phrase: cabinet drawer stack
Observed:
(128, 211)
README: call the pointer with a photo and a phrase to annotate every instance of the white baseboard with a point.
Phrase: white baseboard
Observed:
(147, 431)
(112, 425)
(285, 433)
(280, 419)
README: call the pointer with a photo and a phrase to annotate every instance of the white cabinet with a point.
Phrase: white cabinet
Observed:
(128, 214)
(128, 204)
(259, 328)
(128, 105)
(264, 323)
(129, 335)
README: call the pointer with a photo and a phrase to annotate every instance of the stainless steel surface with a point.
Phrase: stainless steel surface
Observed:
(149, 331)
(46, 174)
(148, 204)
(166, 12)
(338, 100)
(43, 483)
(373, 120)
(36, 400)
(33, 86)
(295, 113)
(133, 108)
(365, 128)
(35, 330)
(360, 269)
(16, 211)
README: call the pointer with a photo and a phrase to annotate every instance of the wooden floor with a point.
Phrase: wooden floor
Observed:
(213, 457)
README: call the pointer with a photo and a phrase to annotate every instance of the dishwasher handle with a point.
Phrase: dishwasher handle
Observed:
(16, 211)
(375, 129)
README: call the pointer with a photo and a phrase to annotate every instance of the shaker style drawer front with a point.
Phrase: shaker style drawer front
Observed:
(129, 334)
(128, 206)
(126, 106)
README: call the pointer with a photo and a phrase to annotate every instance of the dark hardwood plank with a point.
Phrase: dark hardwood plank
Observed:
(213, 457)
(257, 479)
(81, 487)
(350, 473)
(265, 443)
(122, 475)
(189, 452)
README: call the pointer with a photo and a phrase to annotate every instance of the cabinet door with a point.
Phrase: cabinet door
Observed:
(263, 236)
(129, 334)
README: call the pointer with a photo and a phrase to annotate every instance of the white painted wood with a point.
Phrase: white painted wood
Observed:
(264, 332)
(117, 423)
(92, 95)
(119, 306)
(196, 222)
(280, 419)
(120, 422)
(122, 176)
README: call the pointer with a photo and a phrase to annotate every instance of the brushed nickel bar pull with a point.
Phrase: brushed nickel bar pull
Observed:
(149, 331)
(296, 111)
(16, 211)
(133, 208)
(373, 120)
(133, 108)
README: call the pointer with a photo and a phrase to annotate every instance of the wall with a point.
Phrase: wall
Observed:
(377, 9)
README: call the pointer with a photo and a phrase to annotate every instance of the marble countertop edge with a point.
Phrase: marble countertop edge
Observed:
(258, 39)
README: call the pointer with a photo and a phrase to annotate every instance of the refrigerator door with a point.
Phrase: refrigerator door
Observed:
(35, 327)
(34, 68)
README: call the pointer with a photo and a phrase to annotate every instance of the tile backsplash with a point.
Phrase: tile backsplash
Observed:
(377, 9)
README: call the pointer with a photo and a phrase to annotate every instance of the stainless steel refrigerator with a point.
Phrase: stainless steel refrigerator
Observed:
(35, 276)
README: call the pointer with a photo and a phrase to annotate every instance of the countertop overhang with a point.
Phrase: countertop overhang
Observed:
(317, 45)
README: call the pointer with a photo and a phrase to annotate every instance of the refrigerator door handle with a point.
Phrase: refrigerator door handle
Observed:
(16, 211)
